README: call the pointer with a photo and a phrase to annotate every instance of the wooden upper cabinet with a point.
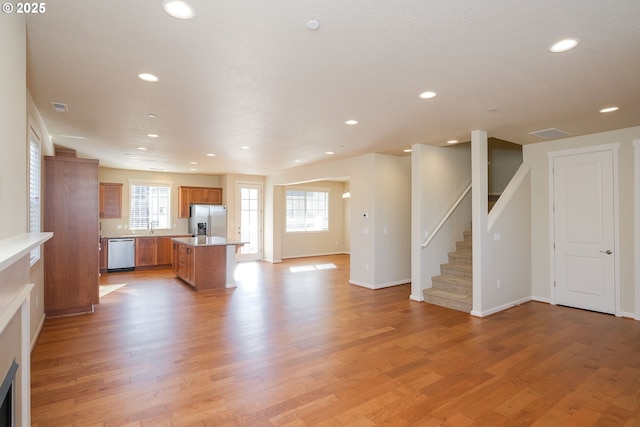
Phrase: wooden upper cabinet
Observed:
(205, 195)
(110, 200)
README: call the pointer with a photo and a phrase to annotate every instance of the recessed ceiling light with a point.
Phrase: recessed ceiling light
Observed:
(297, 161)
(564, 45)
(179, 9)
(193, 163)
(452, 141)
(351, 122)
(408, 150)
(142, 148)
(427, 95)
(152, 135)
(192, 169)
(609, 109)
(147, 77)
(329, 152)
(210, 155)
(313, 24)
(245, 147)
(152, 116)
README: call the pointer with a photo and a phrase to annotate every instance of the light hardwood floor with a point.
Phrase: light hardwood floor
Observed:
(296, 345)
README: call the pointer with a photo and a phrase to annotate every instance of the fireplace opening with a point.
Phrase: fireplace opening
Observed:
(6, 397)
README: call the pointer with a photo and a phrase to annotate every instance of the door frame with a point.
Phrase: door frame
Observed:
(238, 210)
(636, 219)
(614, 148)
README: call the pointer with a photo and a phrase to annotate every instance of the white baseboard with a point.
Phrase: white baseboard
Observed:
(380, 286)
(540, 299)
(500, 307)
(415, 298)
(314, 255)
(37, 334)
(629, 315)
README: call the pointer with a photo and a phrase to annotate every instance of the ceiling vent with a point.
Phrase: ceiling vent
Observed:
(59, 107)
(551, 133)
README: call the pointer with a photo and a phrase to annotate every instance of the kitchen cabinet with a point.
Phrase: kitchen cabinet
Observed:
(205, 262)
(203, 195)
(164, 250)
(154, 251)
(110, 200)
(71, 256)
(145, 251)
(185, 263)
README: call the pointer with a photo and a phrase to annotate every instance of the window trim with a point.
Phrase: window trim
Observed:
(151, 183)
(34, 224)
(308, 190)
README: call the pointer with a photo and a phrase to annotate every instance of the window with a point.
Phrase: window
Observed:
(150, 206)
(34, 191)
(307, 211)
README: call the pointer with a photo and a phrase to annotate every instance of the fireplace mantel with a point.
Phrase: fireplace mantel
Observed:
(14, 248)
(14, 301)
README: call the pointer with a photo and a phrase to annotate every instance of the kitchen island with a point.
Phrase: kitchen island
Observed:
(205, 262)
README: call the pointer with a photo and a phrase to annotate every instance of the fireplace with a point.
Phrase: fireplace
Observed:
(15, 336)
(6, 397)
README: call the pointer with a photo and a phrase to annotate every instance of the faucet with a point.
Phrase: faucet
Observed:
(151, 227)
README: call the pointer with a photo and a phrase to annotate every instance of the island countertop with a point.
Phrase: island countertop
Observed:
(207, 241)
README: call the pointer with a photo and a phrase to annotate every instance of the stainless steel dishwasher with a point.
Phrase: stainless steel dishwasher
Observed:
(121, 254)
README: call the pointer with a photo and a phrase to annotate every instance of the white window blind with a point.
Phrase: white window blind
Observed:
(34, 194)
(307, 211)
(150, 206)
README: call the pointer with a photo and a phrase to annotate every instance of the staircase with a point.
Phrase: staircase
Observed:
(453, 288)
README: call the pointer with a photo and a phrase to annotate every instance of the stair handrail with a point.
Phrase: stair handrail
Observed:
(507, 194)
(446, 217)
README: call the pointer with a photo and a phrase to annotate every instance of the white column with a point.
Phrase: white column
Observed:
(479, 207)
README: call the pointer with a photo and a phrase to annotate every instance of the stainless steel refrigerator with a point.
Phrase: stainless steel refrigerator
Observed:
(208, 220)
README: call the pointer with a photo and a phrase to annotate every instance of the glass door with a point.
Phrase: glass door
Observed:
(249, 210)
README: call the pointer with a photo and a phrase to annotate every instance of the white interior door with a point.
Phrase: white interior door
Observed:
(249, 221)
(584, 230)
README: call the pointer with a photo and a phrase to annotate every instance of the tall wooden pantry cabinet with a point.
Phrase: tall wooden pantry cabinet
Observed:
(70, 202)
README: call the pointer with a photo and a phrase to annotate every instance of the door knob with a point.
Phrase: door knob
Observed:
(608, 252)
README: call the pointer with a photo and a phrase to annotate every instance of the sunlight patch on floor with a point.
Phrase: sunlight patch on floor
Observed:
(107, 289)
(311, 267)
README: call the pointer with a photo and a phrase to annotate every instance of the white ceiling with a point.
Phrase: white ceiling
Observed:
(250, 73)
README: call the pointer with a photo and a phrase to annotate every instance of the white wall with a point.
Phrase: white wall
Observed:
(439, 177)
(13, 177)
(35, 122)
(536, 155)
(365, 186)
(506, 278)
(391, 221)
